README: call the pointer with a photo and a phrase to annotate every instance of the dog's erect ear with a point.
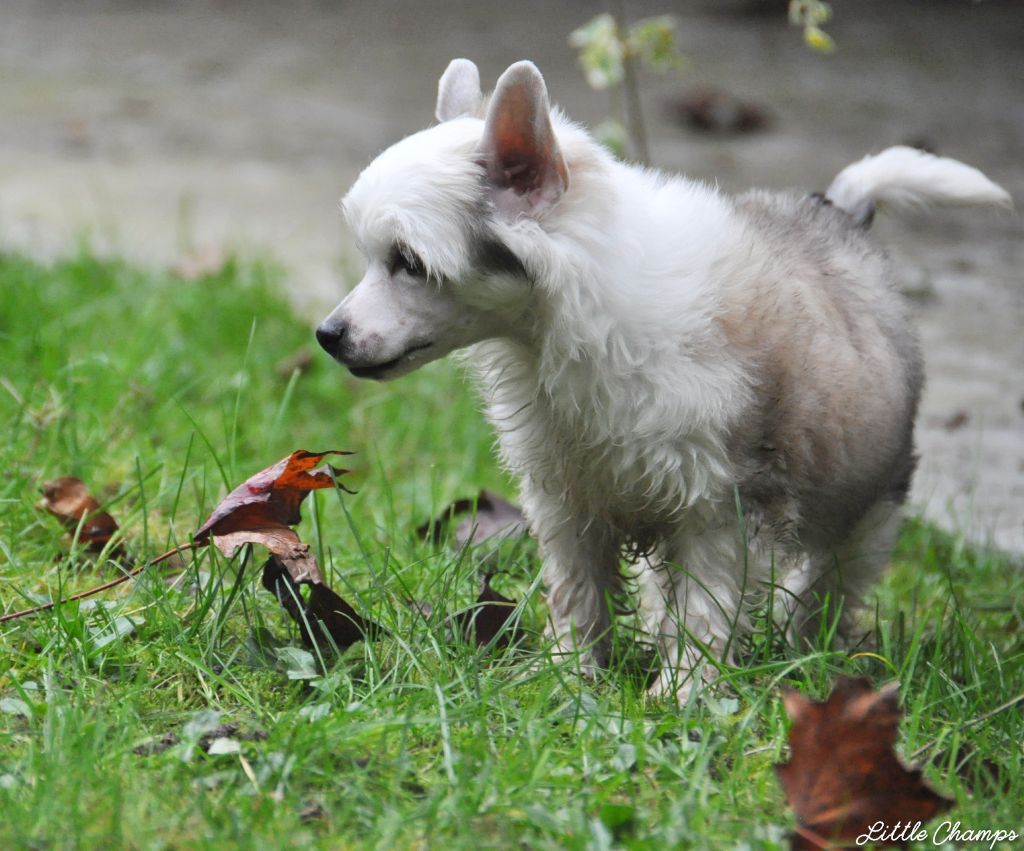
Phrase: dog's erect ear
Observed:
(519, 150)
(458, 91)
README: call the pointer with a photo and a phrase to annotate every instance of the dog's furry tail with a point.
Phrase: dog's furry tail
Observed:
(903, 177)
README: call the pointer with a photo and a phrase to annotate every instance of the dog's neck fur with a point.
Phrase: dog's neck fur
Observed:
(593, 360)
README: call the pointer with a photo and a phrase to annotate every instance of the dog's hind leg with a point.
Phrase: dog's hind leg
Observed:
(831, 585)
(654, 584)
(705, 586)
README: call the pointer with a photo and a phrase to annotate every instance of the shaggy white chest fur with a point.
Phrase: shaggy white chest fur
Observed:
(619, 396)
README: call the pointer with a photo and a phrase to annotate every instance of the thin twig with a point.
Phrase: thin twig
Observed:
(24, 613)
(974, 722)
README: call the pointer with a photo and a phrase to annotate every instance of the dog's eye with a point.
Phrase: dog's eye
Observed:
(404, 259)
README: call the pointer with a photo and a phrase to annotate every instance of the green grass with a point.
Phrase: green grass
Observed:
(162, 393)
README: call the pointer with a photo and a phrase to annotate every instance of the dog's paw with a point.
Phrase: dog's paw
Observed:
(682, 684)
(590, 659)
(587, 663)
(670, 686)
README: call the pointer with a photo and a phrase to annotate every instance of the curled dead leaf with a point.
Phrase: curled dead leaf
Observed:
(262, 511)
(323, 617)
(843, 775)
(284, 543)
(486, 622)
(68, 499)
(493, 517)
(271, 497)
(263, 508)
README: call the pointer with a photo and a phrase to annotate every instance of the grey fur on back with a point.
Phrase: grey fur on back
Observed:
(838, 372)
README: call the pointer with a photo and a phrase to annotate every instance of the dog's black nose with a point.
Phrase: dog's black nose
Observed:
(329, 335)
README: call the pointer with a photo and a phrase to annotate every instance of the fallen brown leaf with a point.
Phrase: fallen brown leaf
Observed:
(494, 517)
(283, 542)
(261, 510)
(322, 614)
(843, 775)
(68, 499)
(272, 496)
(485, 621)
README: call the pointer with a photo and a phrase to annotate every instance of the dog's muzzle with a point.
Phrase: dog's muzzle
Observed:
(335, 340)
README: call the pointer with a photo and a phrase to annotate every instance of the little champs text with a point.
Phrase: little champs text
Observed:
(946, 831)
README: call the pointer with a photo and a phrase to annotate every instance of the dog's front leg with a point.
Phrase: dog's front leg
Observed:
(582, 578)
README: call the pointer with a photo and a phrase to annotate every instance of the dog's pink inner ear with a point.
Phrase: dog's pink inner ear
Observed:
(519, 149)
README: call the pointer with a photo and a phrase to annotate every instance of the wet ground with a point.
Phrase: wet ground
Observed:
(162, 130)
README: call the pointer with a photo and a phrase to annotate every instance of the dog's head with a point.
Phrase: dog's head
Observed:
(442, 219)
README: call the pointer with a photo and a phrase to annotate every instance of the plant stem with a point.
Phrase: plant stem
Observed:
(631, 88)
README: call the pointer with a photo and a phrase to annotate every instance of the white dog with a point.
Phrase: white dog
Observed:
(726, 386)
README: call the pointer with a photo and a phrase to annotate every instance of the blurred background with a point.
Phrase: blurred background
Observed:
(174, 133)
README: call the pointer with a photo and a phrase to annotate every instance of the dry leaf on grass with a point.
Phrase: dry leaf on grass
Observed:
(263, 508)
(485, 621)
(843, 775)
(486, 517)
(494, 517)
(271, 497)
(323, 617)
(68, 499)
(284, 543)
(261, 511)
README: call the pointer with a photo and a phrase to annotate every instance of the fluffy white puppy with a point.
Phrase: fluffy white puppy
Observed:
(726, 386)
